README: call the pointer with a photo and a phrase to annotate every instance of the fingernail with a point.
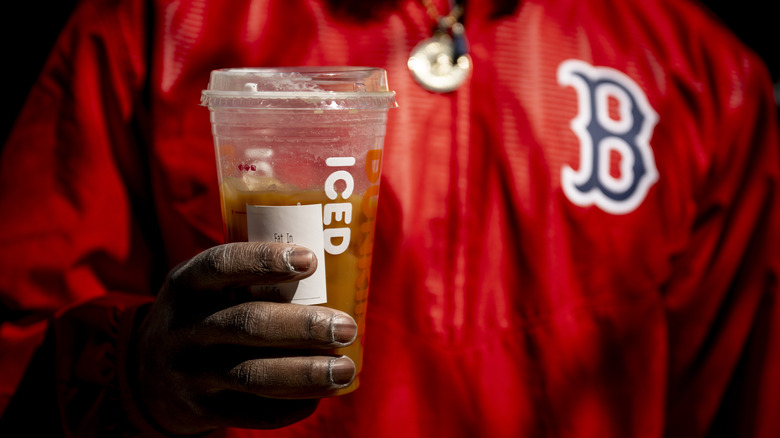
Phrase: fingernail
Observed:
(300, 259)
(343, 329)
(342, 370)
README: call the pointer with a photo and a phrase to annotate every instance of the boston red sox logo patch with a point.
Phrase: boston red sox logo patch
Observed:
(614, 125)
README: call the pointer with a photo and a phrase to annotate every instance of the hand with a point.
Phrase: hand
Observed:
(210, 355)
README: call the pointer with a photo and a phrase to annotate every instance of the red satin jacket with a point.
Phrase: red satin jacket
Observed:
(580, 241)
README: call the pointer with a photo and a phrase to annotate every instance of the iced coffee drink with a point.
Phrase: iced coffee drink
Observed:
(299, 155)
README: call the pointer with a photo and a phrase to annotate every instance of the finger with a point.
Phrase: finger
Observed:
(244, 264)
(266, 324)
(289, 377)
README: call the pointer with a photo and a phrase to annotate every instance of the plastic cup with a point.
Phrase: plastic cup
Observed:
(299, 156)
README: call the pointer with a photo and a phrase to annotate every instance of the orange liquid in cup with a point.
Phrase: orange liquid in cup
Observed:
(347, 274)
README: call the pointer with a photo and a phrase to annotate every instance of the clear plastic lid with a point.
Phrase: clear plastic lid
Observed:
(299, 87)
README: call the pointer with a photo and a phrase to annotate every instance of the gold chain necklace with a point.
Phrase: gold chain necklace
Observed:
(442, 63)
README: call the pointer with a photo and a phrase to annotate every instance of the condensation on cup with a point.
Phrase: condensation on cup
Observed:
(299, 156)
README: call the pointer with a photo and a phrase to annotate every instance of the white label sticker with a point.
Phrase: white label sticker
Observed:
(298, 224)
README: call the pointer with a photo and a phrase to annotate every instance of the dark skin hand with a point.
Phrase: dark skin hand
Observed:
(211, 355)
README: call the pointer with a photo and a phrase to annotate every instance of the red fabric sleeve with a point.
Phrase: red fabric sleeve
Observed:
(723, 306)
(748, 319)
(74, 198)
(92, 347)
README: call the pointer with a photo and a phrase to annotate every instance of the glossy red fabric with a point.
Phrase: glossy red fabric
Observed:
(498, 306)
